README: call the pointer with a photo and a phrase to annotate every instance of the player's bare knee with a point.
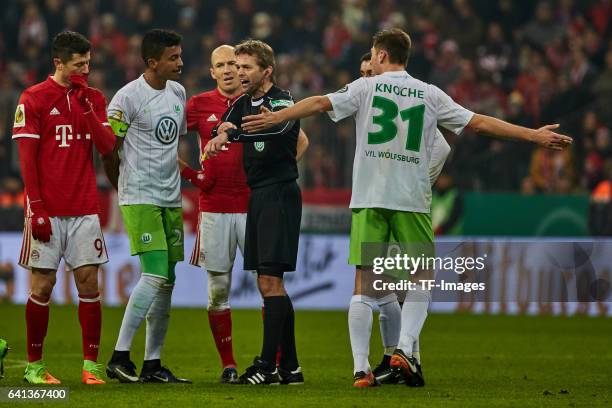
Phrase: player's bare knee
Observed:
(43, 282)
(86, 280)
(88, 288)
(265, 284)
(270, 286)
(44, 288)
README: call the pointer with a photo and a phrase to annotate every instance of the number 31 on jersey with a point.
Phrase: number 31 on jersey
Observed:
(388, 129)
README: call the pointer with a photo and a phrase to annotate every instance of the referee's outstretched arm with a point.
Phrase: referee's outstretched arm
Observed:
(240, 135)
(306, 107)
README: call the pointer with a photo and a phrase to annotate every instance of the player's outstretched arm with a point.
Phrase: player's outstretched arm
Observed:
(302, 145)
(302, 109)
(544, 136)
(242, 136)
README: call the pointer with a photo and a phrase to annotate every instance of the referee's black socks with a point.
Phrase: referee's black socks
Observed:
(275, 313)
(289, 359)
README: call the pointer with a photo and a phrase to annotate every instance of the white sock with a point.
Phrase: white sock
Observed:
(157, 322)
(360, 329)
(142, 297)
(414, 313)
(390, 320)
(416, 351)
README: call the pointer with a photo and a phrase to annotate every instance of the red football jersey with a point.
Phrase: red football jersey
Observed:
(49, 113)
(230, 193)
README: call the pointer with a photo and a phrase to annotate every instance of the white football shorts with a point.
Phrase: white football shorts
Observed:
(78, 240)
(218, 236)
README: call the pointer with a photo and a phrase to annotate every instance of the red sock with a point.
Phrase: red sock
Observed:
(90, 317)
(279, 353)
(37, 320)
(221, 327)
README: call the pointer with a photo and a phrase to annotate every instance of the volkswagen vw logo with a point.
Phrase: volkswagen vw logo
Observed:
(166, 130)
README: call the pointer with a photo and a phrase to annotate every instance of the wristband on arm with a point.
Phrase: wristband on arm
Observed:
(198, 178)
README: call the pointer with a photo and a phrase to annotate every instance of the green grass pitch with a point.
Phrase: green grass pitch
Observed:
(468, 360)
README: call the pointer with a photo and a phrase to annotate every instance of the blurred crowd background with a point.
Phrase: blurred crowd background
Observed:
(529, 62)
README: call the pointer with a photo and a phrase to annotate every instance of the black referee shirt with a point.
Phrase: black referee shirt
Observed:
(269, 156)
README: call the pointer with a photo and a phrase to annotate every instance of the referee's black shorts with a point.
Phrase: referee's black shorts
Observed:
(273, 228)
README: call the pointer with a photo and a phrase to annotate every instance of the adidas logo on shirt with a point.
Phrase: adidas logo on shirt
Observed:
(212, 118)
(54, 111)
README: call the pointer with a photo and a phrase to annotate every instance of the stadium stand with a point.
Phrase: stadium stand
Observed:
(529, 62)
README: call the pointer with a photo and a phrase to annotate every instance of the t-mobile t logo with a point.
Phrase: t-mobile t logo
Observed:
(64, 133)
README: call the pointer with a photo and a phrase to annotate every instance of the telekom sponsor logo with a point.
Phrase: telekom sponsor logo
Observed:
(64, 134)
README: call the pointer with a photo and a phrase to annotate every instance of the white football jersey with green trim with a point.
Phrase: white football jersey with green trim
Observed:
(149, 173)
(397, 117)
